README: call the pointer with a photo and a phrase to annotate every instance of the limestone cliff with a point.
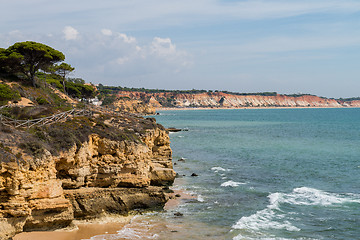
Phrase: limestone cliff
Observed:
(227, 100)
(133, 106)
(81, 168)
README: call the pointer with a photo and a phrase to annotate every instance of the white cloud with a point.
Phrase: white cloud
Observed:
(126, 38)
(101, 57)
(106, 32)
(163, 47)
(70, 33)
(158, 54)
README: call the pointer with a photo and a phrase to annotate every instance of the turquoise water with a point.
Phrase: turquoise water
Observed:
(268, 173)
(262, 174)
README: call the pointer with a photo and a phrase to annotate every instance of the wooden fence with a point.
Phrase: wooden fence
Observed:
(88, 111)
(45, 120)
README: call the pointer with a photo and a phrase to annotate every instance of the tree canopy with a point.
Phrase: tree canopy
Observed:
(29, 57)
(63, 70)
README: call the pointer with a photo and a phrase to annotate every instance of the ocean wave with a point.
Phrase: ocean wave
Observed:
(231, 184)
(126, 233)
(265, 219)
(130, 233)
(240, 237)
(134, 230)
(273, 217)
(217, 169)
(200, 198)
(311, 196)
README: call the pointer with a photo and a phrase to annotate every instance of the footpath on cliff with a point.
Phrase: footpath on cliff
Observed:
(82, 166)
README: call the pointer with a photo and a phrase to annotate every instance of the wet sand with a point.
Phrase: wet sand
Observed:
(177, 198)
(81, 230)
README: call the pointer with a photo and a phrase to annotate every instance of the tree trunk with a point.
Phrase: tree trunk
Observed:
(32, 77)
(64, 85)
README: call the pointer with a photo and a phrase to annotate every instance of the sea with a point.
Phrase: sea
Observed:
(274, 174)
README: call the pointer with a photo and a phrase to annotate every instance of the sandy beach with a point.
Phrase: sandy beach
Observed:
(107, 225)
(80, 229)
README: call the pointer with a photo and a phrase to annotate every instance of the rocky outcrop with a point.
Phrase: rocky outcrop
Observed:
(93, 202)
(49, 189)
(134, 106)
(101, 162)
(227, 100)
(32, 198)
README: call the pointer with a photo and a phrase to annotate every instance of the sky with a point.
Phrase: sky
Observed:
(286, 46)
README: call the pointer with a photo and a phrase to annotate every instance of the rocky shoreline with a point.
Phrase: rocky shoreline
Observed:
(127, 166)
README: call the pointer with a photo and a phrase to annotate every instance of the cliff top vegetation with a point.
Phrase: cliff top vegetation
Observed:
(33, 70)
(30, 71)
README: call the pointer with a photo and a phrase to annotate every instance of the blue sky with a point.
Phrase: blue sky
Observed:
(288, 46)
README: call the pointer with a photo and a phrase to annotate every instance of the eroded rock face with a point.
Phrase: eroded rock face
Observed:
(134, 106)
(92, 202)
(221, 99)
(100, 175)
(101, 162)
(32, 199)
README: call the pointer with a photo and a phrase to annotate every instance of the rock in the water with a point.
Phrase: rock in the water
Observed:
(178, 214)
(174, 130)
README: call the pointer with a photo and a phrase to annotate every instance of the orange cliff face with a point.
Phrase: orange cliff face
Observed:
(221, 99)
(354, 103)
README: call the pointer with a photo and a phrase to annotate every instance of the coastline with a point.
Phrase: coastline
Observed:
(232, 108)
(80, 229)
(107, 225)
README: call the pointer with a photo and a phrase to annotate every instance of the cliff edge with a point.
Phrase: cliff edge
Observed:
(79, 168)
(178, 99)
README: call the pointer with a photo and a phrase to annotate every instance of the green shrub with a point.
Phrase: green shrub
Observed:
(41, 101)
(79, 90)
(7, 94)
(55, 82)
(109, 100)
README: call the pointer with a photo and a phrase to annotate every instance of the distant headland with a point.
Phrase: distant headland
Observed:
(160, 99)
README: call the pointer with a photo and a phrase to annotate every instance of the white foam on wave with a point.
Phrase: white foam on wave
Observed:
(265, 219)
(138, 228)
(311, 196)
(219, 169)
(264, 238)
(129, 233)
(200, 198)
(272, 217)
(261, 238)
(231, 184)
